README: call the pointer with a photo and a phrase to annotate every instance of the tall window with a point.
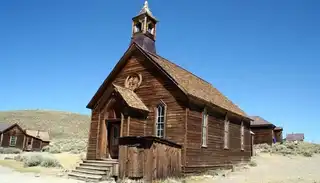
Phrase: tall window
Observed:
(226, 133)
(160, 120)
(242, 136)
(13, 141)
(204, 128)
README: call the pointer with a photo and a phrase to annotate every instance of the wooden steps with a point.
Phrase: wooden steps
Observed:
(94, 170)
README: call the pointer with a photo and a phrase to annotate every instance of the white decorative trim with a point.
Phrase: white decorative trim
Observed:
(1, 138)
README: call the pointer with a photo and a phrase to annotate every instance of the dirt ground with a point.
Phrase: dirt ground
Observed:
(269, 169)
(272, 169)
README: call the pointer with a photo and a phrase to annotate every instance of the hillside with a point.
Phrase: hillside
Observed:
(59, 124)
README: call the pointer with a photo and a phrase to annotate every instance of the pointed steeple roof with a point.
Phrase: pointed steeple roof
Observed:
(146, 10)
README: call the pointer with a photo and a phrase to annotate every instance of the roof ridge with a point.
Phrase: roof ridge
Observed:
(197, 77)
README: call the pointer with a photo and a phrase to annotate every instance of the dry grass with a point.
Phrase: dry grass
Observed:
(69, 161)
(59, 124)
(19, 166)
(290, 148)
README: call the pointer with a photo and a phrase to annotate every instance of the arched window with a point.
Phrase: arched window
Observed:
(138, 27)
(160, 120)
(151, 28)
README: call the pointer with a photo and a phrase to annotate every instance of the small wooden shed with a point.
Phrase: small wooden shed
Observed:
(36, 140)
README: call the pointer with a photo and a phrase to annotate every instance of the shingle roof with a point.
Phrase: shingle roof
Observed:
(259, 121)
(195, 86)
(131, 98)
(4, 126)
(44, 136)
(189, 83)
(295, 136)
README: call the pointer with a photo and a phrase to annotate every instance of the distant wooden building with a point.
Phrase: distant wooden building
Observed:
(295, 137)
(12, 135)
(265, 132)
(278, 134)
(154, 101)
(36, 140)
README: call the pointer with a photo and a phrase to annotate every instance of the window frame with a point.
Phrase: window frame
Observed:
(15, 141)
(204, 127)
(242, 136)
(226, 133)
(164, 106)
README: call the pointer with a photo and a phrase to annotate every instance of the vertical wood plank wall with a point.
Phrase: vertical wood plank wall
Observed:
(149, 161)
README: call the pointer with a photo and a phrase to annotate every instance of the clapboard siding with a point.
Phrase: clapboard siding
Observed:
(214, 155)
(262, 135)
(155, 87)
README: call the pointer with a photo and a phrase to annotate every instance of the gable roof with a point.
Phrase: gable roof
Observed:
(259, 121)
(195, 86)
(42, 135)
(9, 126)
(131, 98)
(185, 80)
(4, 126)
(295, 136)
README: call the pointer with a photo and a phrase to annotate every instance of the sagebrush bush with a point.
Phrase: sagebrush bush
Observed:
(290, 148)
(32, 160)
(50, 162)
(38, 159)
(10, 150)
(252, 163)
(75, 146)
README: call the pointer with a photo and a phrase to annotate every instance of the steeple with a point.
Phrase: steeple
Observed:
(144, 29)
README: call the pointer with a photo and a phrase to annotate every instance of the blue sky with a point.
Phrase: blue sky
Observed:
(264, 55)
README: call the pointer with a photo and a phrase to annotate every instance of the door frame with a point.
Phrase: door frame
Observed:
(113, 150)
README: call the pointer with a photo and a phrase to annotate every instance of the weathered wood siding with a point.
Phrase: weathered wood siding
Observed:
(36, 145)
(155, 87)
(93, 140)
(14, 131)
(278, 135)
(200, 158)
(148, 160)
(262, 135)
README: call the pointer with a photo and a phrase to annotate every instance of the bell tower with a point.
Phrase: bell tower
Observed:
(144, 29)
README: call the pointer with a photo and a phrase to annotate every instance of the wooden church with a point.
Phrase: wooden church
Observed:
(150, 114)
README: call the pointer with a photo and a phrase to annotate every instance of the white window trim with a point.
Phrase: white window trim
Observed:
(226, 135)
(204, 127)
(1, 138)
(164, 119)
(15, 141)
(242, 136)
